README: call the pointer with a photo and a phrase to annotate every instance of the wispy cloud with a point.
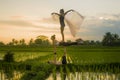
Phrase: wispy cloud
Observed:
(16, 23)
(24, 21)
(97, 26)
(92, 28)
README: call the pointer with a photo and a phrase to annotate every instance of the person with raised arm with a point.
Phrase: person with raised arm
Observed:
(61, 19)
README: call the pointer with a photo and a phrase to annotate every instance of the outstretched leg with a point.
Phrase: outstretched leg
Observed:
(62, 33)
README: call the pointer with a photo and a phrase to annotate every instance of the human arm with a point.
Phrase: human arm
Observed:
(55, 13)
(68, 11)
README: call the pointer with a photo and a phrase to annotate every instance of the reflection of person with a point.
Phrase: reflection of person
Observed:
(54, 45)
(61, 19)
(64, 59)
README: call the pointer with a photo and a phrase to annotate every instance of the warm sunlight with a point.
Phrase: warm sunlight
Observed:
(59, 39)
(23, 21)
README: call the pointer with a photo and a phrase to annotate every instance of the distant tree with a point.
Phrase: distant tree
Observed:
(116, 40)
(13, 41)
(10, 44)
(46, 42)
(110, 39)
(116, 37)
(31, 42)
(69, 41)
(107, 39)
(98, 42)
(86, 42)
(79, 41)
(22, 42)
(2, 44)
(16, 42)
(42, 41)
(92, 42)
(38, 42)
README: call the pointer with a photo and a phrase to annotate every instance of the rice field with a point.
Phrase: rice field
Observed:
(88, 63)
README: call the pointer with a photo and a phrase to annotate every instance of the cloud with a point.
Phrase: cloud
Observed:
(97, 26)
(49, 20)
(93, 27)
(21, 23)
(24, 27)
(17, 17)
(110, 16)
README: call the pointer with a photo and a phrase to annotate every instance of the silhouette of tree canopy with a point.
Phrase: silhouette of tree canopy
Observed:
(110, 39)
(22, 42)
(31, 42)
(2, 44)
(42, 41)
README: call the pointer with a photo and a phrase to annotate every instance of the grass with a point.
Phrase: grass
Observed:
(79, 54)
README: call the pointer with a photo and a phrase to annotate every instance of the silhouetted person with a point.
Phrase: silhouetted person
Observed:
(61, 19)
(64, 60)
(64, 57)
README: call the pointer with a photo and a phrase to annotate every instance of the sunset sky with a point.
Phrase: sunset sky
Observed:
(31, 18)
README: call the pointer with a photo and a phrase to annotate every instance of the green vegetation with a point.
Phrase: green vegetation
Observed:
(110, 39)
(9, 57)
(30, 61)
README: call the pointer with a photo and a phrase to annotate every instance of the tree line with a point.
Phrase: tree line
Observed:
(39, 41)
(109, 39)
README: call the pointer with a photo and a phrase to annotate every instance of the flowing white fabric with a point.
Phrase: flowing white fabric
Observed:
(73, 20)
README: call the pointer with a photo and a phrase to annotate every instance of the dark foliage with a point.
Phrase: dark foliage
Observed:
(110, 39)
(9, 57)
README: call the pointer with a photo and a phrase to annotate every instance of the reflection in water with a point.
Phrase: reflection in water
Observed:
(86, 76)
(13, 75)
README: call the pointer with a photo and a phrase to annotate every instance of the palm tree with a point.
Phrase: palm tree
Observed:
(13, 41)
(23, 42)
(31, 42)
(20, 42)
(16, 42)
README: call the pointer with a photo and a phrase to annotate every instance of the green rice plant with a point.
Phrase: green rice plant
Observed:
(74, 71)
(61, 73)
(54, 73)
(67, 72)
